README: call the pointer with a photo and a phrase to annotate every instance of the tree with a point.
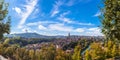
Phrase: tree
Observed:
(21, 54)
(61, 55)
(111, 19)
(47, 52)
(38, 55)
(6, 41)
(114, 50)
(77, 53)
(97, 52)
(87, 55)
(4, 26)
(32, 54)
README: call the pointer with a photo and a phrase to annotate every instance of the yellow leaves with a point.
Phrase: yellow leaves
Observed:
(77, 53)
(87, 55)
(6, 41)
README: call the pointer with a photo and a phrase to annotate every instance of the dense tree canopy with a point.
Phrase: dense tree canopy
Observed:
(4, 26)
(111, 19)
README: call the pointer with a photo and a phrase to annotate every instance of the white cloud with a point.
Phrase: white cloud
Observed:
(80, 30)
(66, 20)
(54, 13)
(28, 9)
(94, 32)
(89, 24)
(18, 10)
(41, 27)
(55, 9)
(74, 2)
(60, 27)
(32, 24)
(71, 21)
(40, 22)
(64, 14)
(97, 14)
(94, 29)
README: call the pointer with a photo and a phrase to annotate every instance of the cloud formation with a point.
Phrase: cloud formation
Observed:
(25, 11)
(41, 27)
(97, 14)
(55, 9)
(64, 19)
(18, 10)
(61, 18)
(60, 27)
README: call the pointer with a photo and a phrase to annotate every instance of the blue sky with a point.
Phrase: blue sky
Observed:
(55, 17)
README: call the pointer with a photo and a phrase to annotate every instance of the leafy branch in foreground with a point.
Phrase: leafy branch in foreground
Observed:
(4, 26)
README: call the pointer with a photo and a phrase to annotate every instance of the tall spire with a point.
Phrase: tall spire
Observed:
(69, 34)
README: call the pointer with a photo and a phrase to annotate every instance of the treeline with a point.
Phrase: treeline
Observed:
(97, 51)
(24, 41)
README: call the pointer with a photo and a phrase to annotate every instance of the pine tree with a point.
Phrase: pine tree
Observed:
(4, 26)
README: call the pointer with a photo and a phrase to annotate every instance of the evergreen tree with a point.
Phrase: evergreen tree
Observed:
(4, 26)
(111, 19)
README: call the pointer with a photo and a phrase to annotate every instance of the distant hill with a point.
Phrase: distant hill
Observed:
(32, 35)
(36, 35)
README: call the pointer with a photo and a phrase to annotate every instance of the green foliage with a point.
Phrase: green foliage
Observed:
(48, 53)
(98, 51)
(23, 42)
(111, 49)
(4, 26)
(21, 54)
(111, 19)
(71, 45)
(62, 55)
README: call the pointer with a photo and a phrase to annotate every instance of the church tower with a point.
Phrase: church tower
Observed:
(69, 34)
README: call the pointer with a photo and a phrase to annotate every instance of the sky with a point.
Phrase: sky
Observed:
(55, 17)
